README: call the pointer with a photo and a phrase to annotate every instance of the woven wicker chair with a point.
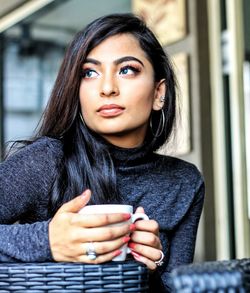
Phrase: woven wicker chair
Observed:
(129, 276)
(231, 276)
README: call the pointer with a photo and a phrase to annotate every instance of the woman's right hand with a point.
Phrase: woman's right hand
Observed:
(70, 233)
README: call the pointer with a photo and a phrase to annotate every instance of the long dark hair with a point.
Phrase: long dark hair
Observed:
(86, 162)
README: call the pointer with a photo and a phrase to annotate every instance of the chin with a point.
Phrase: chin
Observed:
(113, 133)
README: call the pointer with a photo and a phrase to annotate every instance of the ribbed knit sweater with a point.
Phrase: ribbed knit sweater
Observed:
(170, 190)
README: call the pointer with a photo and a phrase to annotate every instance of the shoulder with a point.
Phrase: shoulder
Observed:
(45, 143)
(42, 155)
(43, 146)
(181, 186)
(178, 170)
(29, 172)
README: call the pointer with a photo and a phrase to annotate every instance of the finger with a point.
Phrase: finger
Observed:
(104, 233)
(149, 263)
(146, 238)
(98, 220)
(150, 253)
(147, 225)
(140, 210)
(77, 203)
(103, 247)
(100, 258)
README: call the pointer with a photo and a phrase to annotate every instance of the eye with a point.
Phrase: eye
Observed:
(129, 70)
(89, 73)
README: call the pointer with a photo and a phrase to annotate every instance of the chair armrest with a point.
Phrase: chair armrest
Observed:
(128, 276)
(214, 276)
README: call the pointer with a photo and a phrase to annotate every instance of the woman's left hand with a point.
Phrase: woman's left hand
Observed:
(145, 243)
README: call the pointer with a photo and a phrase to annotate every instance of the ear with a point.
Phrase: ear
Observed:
(160, 91)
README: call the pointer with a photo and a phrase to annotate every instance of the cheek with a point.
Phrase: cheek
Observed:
(87, 112)
(142, 90)
(86, 108)
(85, 101)
(84, 93)
(144, 98)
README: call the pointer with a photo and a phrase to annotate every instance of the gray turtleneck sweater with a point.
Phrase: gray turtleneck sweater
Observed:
(170, 190)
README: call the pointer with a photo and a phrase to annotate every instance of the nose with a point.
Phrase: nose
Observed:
(109, 86)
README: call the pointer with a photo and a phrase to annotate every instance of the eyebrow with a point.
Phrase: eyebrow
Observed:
(116, 62)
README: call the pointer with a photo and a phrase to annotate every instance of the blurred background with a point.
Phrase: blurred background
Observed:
(209, 43)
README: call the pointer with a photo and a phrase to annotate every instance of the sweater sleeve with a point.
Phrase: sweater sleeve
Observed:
(25, 181)
(25, 242)
(182, 241)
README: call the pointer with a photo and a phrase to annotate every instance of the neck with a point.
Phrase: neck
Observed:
(124, 142)
(129, 153)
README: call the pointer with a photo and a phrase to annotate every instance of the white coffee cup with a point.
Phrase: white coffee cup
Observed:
(113, 209)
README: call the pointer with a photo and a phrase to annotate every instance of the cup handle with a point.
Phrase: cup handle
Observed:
(135, 217)
(139, 216)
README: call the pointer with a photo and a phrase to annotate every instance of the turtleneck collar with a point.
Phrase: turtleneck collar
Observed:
(127, 156)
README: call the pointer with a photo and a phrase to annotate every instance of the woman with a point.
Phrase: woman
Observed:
(112, 106)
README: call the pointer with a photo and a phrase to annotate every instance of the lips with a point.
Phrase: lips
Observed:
(110, 110)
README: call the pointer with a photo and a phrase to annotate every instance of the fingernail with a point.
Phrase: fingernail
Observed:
(117, 252)
(137, 257)
(126, 216)
(131, 245)
(85, 192)
(132, 227)
(135, 254)
(126, 239)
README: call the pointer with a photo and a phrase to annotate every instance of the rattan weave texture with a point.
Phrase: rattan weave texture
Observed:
(231, 276)
(126, 276)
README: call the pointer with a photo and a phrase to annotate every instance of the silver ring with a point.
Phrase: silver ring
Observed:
(160, 261)
(90, 252)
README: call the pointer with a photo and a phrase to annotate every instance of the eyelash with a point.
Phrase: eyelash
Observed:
(135, 69)
(85, 71)
(130, 67)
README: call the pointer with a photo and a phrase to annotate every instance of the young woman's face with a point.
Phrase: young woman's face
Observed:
(118, 91)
